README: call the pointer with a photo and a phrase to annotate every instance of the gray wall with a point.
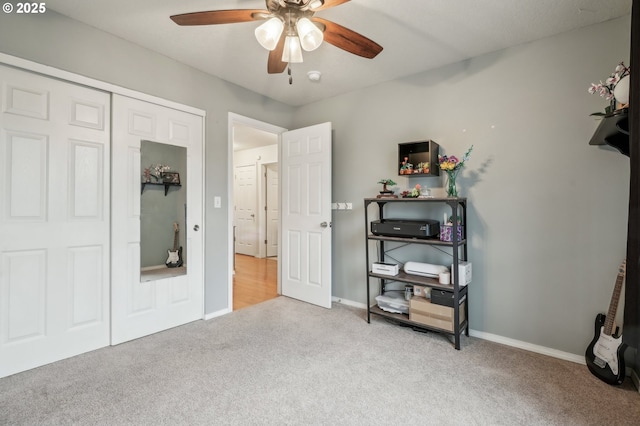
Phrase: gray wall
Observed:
(547, 212)
(53, 39)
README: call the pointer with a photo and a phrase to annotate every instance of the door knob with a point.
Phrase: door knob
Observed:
(325, 224)
(196, 228)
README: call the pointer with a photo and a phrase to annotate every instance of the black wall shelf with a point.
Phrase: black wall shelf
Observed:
(166, 185)
(613, 130)
(416, 153)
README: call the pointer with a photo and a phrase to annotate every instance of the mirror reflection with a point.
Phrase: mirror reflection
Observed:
(163, 202)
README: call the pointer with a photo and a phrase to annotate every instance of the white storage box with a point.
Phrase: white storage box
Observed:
(394, 303)
(464, 272)
(385, 268)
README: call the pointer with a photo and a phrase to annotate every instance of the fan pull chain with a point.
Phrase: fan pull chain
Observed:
(289, 72)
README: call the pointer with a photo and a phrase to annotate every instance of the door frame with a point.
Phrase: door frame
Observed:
(263, 222)
(237, 119)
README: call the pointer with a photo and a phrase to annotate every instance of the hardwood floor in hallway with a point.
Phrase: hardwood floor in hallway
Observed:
(255, 281)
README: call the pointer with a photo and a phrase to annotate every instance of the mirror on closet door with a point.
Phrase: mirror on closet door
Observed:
(163, 201)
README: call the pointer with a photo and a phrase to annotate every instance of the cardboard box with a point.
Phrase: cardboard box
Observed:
(424, 312)
(419, 290)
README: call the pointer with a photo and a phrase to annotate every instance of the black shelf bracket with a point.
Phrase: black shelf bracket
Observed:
(166, 185)
(613, 130)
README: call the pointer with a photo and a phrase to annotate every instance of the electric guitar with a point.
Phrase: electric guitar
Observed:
(605, 354)
(175, 256)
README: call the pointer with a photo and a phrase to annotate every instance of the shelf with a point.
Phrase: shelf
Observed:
(613, 130)
(166, 185)
(448, 200)
(417, 279)
(419, 152)
(404, 319)
(458, 253)
(427, 241)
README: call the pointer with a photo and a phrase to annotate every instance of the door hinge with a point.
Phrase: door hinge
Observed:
(265, 241)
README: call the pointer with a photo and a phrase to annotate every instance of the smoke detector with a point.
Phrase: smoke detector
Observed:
(314, 75)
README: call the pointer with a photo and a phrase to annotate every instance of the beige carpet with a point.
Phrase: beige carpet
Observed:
(285, 362)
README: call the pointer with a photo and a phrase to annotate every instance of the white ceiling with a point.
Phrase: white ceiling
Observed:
(416, 35)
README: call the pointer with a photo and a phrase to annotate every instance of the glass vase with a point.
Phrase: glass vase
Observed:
(452, 189)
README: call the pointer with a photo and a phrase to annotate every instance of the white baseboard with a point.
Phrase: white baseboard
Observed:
(349, 302)
(579, 359)
(216, 314)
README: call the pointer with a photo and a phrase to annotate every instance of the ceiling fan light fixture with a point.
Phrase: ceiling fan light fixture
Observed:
(310, 36)
(292, 52)
(314, 4)
(269, 33)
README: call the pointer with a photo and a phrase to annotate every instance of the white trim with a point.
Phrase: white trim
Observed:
(217, 314)
(93, 83)
(203, 216)
(348, 302)
(579, 359)
(260, 125)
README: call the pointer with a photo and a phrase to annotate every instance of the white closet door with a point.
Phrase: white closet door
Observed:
(54, 220)
(143, 308)
(246, 196)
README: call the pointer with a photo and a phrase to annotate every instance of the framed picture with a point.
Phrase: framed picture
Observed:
(171, 177)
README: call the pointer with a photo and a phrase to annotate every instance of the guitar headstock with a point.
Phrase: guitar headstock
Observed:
(175, 227)
(623, 267)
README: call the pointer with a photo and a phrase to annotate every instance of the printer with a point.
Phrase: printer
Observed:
(423, 228)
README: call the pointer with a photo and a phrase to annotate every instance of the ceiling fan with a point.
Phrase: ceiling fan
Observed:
(289, 26)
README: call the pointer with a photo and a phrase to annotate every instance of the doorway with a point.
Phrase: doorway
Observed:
(254, 201)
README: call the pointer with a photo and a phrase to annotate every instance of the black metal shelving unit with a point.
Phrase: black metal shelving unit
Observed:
(458, 247)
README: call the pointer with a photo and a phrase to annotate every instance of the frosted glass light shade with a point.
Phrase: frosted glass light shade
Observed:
(269, 33)
(310, 36)
(292, 52)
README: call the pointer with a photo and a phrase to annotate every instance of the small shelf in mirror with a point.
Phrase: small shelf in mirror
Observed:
(166, 185)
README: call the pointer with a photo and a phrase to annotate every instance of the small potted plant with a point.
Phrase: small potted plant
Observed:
(407, 167)
(385, 191)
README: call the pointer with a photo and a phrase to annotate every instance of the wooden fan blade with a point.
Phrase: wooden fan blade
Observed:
(330, 3)
(348, 40)
(275, 64)
(214, 17)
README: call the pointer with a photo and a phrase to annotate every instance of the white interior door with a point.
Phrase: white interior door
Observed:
(305, 168)
(54, 220)
(139, 309)
(245, 198)
(272, 209)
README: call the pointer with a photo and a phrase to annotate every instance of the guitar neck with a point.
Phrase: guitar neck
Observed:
(613, 306)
